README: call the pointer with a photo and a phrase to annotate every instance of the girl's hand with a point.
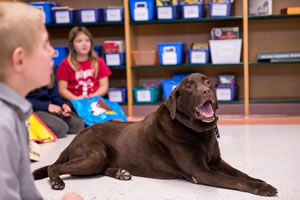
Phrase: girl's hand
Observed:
(55, 109)
(66, 110)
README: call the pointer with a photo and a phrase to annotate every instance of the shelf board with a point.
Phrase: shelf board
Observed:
(117, 67)
(275, 101)
(230, 18)
(220, 102)
(85, 24)
(273, 63)
(186, 65)
(273, 17)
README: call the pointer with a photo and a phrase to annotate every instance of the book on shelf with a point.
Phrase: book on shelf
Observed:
(290, 11)
(279, 57)
(260, 7)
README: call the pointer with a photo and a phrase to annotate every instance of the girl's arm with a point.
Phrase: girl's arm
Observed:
(64, 92)
(102, 90)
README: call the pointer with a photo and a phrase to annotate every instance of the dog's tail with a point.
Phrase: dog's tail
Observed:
(43, 171)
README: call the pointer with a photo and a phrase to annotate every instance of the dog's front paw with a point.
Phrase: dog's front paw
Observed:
(57, 184)
(265, 189)
(123, 174)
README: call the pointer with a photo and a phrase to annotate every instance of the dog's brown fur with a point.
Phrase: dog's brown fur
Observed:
(170, 143)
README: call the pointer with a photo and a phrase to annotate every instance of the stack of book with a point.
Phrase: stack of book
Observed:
(279, 57)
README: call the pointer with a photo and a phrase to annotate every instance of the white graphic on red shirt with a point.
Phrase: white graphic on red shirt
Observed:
(84, 84)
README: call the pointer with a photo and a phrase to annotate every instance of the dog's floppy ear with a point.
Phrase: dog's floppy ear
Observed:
(171, 103)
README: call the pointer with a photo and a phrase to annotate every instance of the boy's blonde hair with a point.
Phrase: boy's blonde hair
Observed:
(19, 27)
(72, 53)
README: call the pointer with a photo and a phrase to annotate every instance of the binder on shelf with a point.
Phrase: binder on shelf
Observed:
(279, 57)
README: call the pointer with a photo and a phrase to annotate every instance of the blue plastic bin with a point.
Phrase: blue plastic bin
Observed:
(226, 92)
(117, 94)
(62, 16)
(166, 12)
(98, 50)
(179, 76)
(88, 15)
(147, 95)
(114, 59)
(198, 56)
(113, 14)
(168, 86)
(46, 7)
(219, 9)
(60, 54)
(171, 53)
(192, 11)
(141, 10)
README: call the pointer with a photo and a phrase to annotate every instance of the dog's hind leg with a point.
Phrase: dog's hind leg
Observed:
(118, 173)
(94, 163)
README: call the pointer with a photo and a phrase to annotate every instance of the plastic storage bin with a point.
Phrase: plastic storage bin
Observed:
(141, 10)
(168, 86)
(60, 54)
(114, 59)
(198, 56)
(46, 7)
(117, 95)
(88, 15)
(225, 51)
(98, 49)
(113, 14)
(192, 11)
(226, 92)
(145, 57)
(171, 53)
(219, 9)
(62, 16)
(166, 12)
(147, 95)
(179, 76)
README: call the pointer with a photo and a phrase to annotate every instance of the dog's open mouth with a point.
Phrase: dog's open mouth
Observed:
(205, 112)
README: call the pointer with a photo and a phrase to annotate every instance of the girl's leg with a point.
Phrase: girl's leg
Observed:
(54, 123)
(75, 124)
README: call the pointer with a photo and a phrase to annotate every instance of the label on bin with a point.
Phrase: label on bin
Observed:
(219, 10)
(198, 57)
(223, 94)
(115, 96)
(143, 95)
(191, 11)
(62, 17)
(164, 12)
(113, 15)
(141, 14)
(226, 50)
(88, 16)
(113, 59)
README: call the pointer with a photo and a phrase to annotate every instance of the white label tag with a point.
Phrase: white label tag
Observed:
(164, 12)
(219, 10)
(113, 15)
(226, 50)
(115, 96)
(56, 53)
(141, 14)
(113, 59)
(191, 11)
(223, 94)
(198, 57)
(143, 95)
(62, 17)
(169, 58)
(88, 16)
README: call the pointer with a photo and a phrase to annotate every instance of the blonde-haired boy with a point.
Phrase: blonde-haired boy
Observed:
(25, 64)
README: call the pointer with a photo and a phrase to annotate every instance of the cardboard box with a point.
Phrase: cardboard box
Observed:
(290, 11)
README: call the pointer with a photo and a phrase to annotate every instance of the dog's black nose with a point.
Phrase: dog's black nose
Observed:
(206, 91)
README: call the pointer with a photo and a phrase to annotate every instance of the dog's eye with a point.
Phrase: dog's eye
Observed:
(189, 85)
(207, 82)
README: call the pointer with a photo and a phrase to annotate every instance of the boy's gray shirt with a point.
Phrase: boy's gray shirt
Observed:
(16, 180)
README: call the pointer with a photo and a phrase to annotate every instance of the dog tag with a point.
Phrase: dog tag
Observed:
(62, 17)
(164, 12)
(88, 16)
(113, 15)
(113, 59)
(219, 9)
(191, 11)
(198, 57)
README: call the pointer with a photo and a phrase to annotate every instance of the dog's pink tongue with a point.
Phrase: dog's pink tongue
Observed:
(206, 110)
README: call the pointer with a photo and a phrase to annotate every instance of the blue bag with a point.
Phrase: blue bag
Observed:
(98, 110)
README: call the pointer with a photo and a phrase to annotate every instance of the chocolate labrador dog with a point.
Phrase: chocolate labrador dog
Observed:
(177, 141)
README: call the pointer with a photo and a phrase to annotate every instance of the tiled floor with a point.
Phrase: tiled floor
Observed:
(269, 152)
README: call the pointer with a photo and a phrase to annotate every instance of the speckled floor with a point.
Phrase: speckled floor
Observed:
(268, 152)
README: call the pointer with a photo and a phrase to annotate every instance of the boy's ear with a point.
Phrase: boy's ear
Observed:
(17, 59)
